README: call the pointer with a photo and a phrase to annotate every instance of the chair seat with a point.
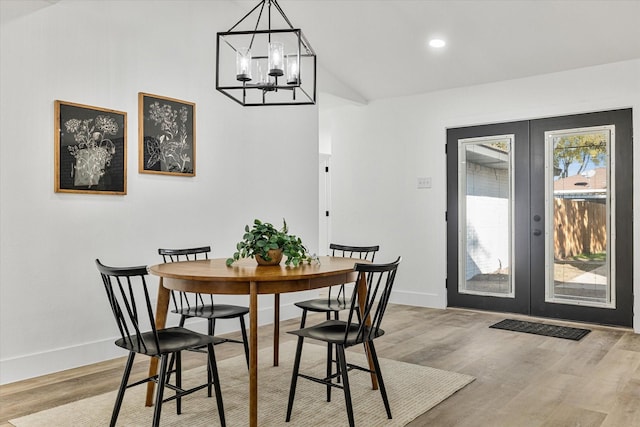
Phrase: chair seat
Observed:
(333, 331)
(216, 311)
(171, 340)
(322, 305)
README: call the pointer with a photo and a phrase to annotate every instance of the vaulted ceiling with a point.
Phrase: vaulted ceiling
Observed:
(375, 49)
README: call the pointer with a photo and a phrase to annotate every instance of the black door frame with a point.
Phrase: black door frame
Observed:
(529, 150)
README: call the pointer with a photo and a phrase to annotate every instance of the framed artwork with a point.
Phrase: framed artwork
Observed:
(90, 149)
(166, 133)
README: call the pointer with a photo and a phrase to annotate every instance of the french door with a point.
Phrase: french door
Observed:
(539, 217)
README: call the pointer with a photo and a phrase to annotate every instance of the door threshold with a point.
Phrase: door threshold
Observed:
(550, 320)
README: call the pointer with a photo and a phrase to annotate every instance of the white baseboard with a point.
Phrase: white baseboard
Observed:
(418, 299)
(38, 364)
(61, 359)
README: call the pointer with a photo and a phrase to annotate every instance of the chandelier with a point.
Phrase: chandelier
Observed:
(258, 63)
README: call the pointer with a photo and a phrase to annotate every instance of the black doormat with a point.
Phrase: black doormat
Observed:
(541, 329)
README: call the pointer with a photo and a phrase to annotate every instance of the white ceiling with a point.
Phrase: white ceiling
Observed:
(379, 48)
(374, 49)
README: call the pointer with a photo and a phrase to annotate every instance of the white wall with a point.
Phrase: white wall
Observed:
(380, 149)
(53, 310)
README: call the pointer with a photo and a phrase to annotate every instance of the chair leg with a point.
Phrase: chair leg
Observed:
(337, 317)
(303, 319)
(162, 377)
(173, 356)
(211, 327)
(213, 367)
(329, 365)
(345, 382)
(329, 361)
(245, 341)
(178, 381)
(121, 390)
(383, 391)
(294, 374)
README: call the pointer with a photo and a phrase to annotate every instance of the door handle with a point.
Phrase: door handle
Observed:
(537, 232)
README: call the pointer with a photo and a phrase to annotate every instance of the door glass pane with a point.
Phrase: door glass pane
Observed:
(485, 203)
(578, 232)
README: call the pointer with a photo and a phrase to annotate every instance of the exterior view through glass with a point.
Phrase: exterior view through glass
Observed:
(579, 182)
(485, 179)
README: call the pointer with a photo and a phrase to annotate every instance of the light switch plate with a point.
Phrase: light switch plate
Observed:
(424, 182)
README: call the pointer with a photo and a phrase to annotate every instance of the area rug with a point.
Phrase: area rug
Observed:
(412, 390)
(565, 332)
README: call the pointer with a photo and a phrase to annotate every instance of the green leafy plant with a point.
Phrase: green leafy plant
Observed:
(263, 236)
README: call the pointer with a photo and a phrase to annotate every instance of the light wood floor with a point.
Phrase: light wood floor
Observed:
(522, 380)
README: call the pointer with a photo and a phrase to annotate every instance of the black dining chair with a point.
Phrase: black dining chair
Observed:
(130, 303)
(336, 302)
(189, 305)
(361, 327)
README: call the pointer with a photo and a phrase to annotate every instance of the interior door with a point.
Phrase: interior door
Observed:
(540, 217)
(324, 202)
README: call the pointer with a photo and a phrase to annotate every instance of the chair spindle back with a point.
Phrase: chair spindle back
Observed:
(361, 252)
(128, 296)
(191, 254)
(379, 279)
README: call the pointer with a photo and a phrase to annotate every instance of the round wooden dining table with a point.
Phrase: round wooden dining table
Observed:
(246, 277)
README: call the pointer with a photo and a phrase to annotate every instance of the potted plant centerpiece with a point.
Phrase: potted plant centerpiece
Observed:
(267, 245)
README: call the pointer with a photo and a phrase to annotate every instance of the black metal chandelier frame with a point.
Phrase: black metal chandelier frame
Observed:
(240, 90)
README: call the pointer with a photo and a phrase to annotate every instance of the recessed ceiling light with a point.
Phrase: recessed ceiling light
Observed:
(438, 43)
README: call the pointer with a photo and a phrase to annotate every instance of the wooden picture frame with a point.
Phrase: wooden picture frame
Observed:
(90, 151)
(166, 135)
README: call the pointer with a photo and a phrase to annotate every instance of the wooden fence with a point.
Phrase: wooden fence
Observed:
(580, 228)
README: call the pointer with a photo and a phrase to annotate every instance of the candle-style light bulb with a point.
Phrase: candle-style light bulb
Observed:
(243, 64)
(276, 55)
(293, 77)
(264, 80)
